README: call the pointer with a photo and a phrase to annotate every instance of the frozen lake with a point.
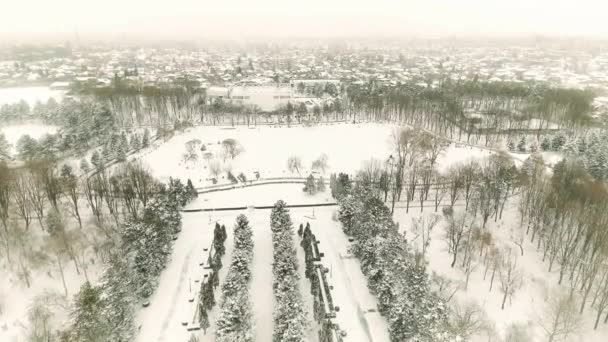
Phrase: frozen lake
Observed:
(29, 94)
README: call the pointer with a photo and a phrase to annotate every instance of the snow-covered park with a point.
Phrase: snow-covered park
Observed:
(266, 150)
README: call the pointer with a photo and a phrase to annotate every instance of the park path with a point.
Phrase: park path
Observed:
(358, 314)
(261, 285)
(169, 305)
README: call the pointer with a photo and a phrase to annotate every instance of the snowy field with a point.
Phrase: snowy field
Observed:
(36, 131)
(266, 150)
(31, 95)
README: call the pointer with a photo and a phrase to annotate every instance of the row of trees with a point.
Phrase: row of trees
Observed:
(290, 318)
(413, 310)
(564, 214)
(505, 107)
(206, 294)
(136, 104)
(104, 312)
(234, 322)
(319, 285)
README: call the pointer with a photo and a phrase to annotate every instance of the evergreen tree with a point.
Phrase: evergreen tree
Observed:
(145, 141)
(84, 166)
(321, 184)
(204, 321)
(4, 148)
(521, 145)
(27, 148)
(310, 186)
(96, 161)
(545, 144)
(135, 142)
(558, 141)
(511, 145)
(85, 316)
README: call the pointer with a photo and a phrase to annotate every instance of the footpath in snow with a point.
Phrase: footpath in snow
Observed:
(358, 314)
(170, 305)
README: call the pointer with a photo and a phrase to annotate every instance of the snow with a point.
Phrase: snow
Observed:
(36, 131)
(358, 307)
(266, 149)
(169, 305)
(528, 302)
(161, 321)
(29, 94)
(16, 298)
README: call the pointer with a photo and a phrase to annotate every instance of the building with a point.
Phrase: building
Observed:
(266, 98)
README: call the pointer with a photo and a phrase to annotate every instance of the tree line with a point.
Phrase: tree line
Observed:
(235, 321)
(290, 317)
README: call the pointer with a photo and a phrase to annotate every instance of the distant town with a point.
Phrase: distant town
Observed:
(268, 76)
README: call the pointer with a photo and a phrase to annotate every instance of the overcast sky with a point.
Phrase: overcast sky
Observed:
(284, 18)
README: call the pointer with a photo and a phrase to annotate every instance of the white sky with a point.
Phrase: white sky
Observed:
(238, 18)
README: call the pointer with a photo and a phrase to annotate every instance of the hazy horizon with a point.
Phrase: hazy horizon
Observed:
(234, 19)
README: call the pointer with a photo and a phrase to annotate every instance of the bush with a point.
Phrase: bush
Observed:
(231, 177)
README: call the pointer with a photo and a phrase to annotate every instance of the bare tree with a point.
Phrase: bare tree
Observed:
(510, 276)
(294, 163)
(422, 228)
(458, 225)
(215, 168)
(6, 189)
(560, 318)
(231, 148)
(517, 332)
(467, 319)
(35, 194)
(441, 189)
(94, 195)
(21, 199)
(191, 154)
(320, 163)
(71, 189)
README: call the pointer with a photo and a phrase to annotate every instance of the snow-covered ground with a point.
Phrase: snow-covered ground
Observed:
(358, 314)
(31, 95)
(528, 302)
(266, 149)
(170, 305)
(16, 298)
(14, 132)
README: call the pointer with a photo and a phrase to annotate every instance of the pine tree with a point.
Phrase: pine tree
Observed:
(84, 166)
(321, 184)
(135, 142)
(96, 161)
(310, 186)
(87, 309)
(545, 144)
(521, 145)
(145, 141)
(204, 321)
(511, 145)
(4, 148)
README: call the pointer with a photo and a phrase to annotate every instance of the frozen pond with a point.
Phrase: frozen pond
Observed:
(29, 94)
